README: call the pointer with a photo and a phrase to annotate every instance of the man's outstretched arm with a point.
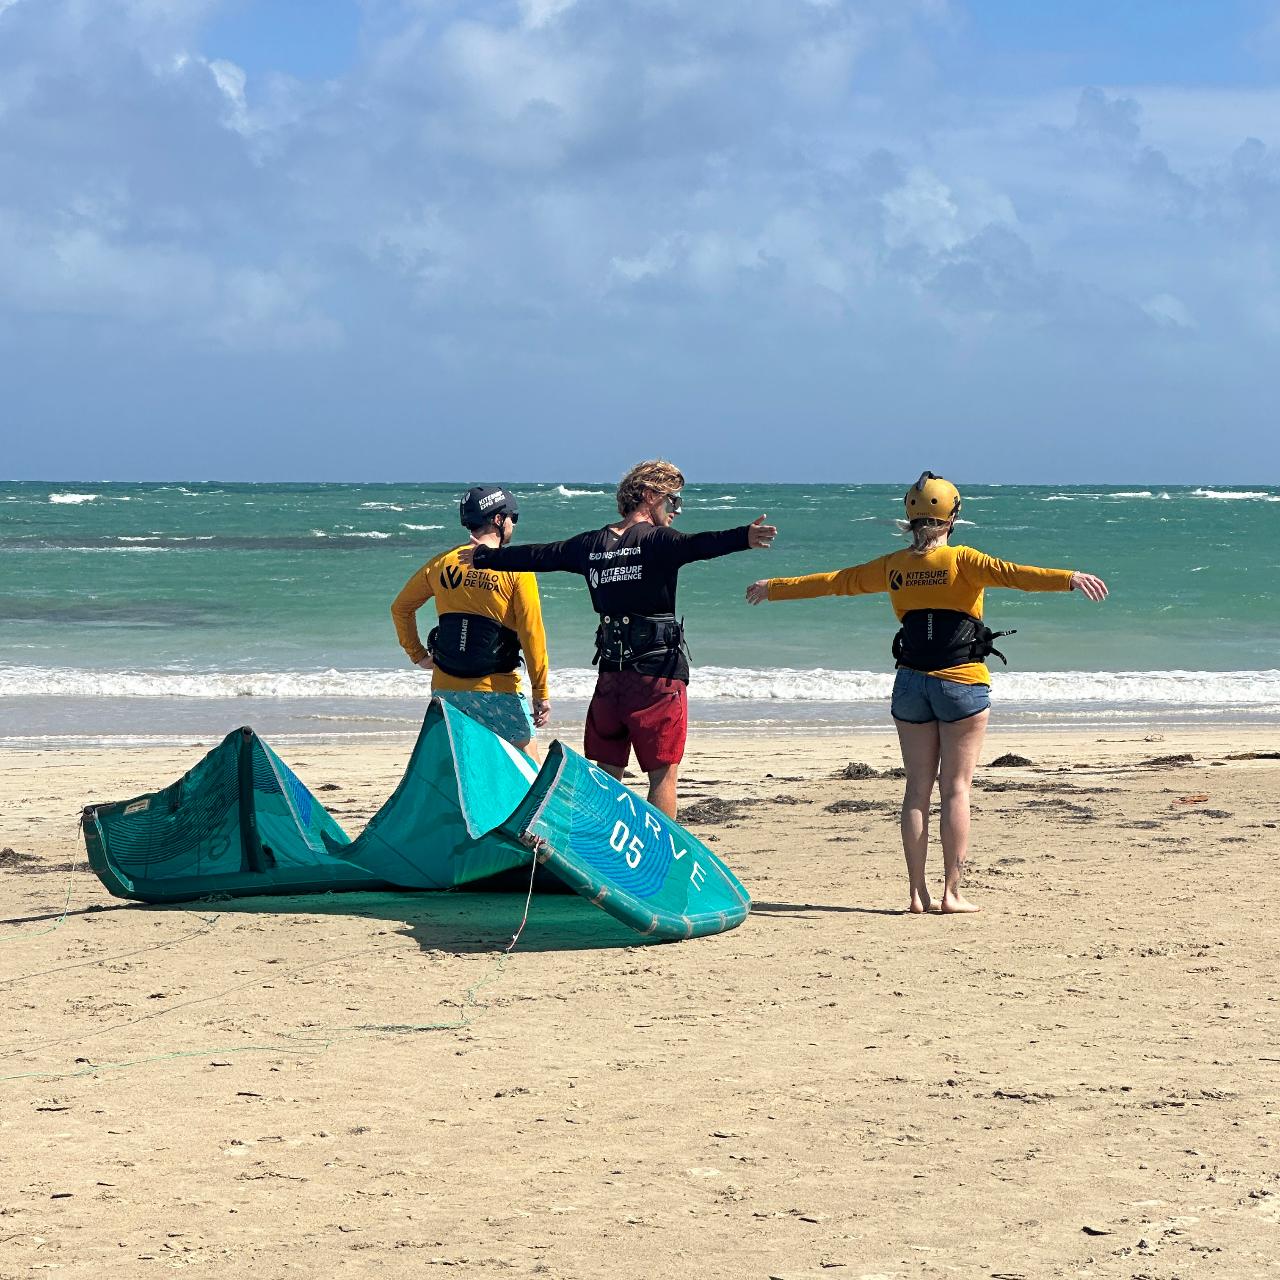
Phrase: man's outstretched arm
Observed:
(568, 556)
(685, 548)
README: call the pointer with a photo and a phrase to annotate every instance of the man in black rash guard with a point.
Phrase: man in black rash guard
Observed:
(631, 568)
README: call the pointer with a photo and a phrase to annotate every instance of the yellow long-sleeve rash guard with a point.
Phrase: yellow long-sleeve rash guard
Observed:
(945, 578)
(509, 598)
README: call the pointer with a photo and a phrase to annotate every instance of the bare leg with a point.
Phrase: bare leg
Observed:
(530, 748)
(662, 788)
(662, 785)
(961, 742)
(920, 749)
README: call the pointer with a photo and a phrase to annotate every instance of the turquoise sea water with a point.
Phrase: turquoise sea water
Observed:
(145, 609)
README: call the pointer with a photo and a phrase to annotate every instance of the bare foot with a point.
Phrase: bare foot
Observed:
(953, 904)
(921, 903)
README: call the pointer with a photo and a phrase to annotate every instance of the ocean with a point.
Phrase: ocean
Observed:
(173, 612)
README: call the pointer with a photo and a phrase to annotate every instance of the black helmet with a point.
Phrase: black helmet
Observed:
(484, 501)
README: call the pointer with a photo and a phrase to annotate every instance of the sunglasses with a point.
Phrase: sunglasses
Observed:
(513, 516)
(673, 503)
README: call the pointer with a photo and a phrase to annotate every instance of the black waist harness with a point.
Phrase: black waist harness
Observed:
(934, 639)
(623, 641)
(469, 645)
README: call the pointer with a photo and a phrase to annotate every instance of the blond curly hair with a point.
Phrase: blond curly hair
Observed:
(656, 473)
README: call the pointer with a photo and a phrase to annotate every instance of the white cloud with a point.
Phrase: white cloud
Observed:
(1169, 312)
(542, 13)
(927, 213)
(231, 80)
(659, 259)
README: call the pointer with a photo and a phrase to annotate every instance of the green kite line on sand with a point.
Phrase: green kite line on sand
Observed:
(470, 805)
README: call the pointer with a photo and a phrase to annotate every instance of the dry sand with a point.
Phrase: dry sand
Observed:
(1084, 1080)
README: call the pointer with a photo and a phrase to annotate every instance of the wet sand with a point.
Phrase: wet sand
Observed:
(1083, 1080)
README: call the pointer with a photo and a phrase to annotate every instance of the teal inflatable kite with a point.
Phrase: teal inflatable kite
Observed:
(470, 805)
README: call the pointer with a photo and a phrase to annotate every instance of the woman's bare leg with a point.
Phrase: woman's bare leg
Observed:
(961, 741)
(920, 753)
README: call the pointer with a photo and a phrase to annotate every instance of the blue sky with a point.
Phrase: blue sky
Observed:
(789, 239)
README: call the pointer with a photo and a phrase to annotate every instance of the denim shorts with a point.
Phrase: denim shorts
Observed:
(506, 714)
(922, 699)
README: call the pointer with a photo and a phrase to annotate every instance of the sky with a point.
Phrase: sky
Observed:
(789, 240)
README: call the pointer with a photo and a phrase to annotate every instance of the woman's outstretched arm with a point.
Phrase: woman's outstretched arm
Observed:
(986, 571)
(857, 580)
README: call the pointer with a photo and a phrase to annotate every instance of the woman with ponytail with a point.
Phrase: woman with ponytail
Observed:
(942, 692)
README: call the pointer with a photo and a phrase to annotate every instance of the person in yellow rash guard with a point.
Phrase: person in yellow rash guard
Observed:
(940, 709)
(482, 598)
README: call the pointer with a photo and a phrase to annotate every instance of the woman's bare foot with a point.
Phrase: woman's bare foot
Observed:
(955, 904)
(921, 903)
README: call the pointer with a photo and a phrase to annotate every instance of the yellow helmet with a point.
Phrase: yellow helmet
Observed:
(932, 498)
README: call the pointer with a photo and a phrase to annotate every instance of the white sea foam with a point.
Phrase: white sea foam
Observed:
(1235, 495)
(380, 506)
(710, 684)
(421, 528)
(580, 493)
(1133, 493)
(72, 499)
(171, 537)
(87, 551)
(372, 533)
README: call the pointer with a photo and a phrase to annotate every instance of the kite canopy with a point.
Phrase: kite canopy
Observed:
(470, 805)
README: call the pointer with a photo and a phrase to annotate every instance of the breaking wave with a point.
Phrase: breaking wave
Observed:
(1237, 495)
(580, 493)
(1184, 689)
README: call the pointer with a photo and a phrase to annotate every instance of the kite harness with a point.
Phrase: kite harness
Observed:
(934, 639)
(623, 641)
(469, 645)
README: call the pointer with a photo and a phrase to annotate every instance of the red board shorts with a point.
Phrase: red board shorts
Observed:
(649, 713)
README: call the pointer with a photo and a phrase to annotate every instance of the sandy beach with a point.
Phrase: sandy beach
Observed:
(1083, 1080)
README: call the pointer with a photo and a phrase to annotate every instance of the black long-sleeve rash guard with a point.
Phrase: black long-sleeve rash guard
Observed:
(633, 572)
